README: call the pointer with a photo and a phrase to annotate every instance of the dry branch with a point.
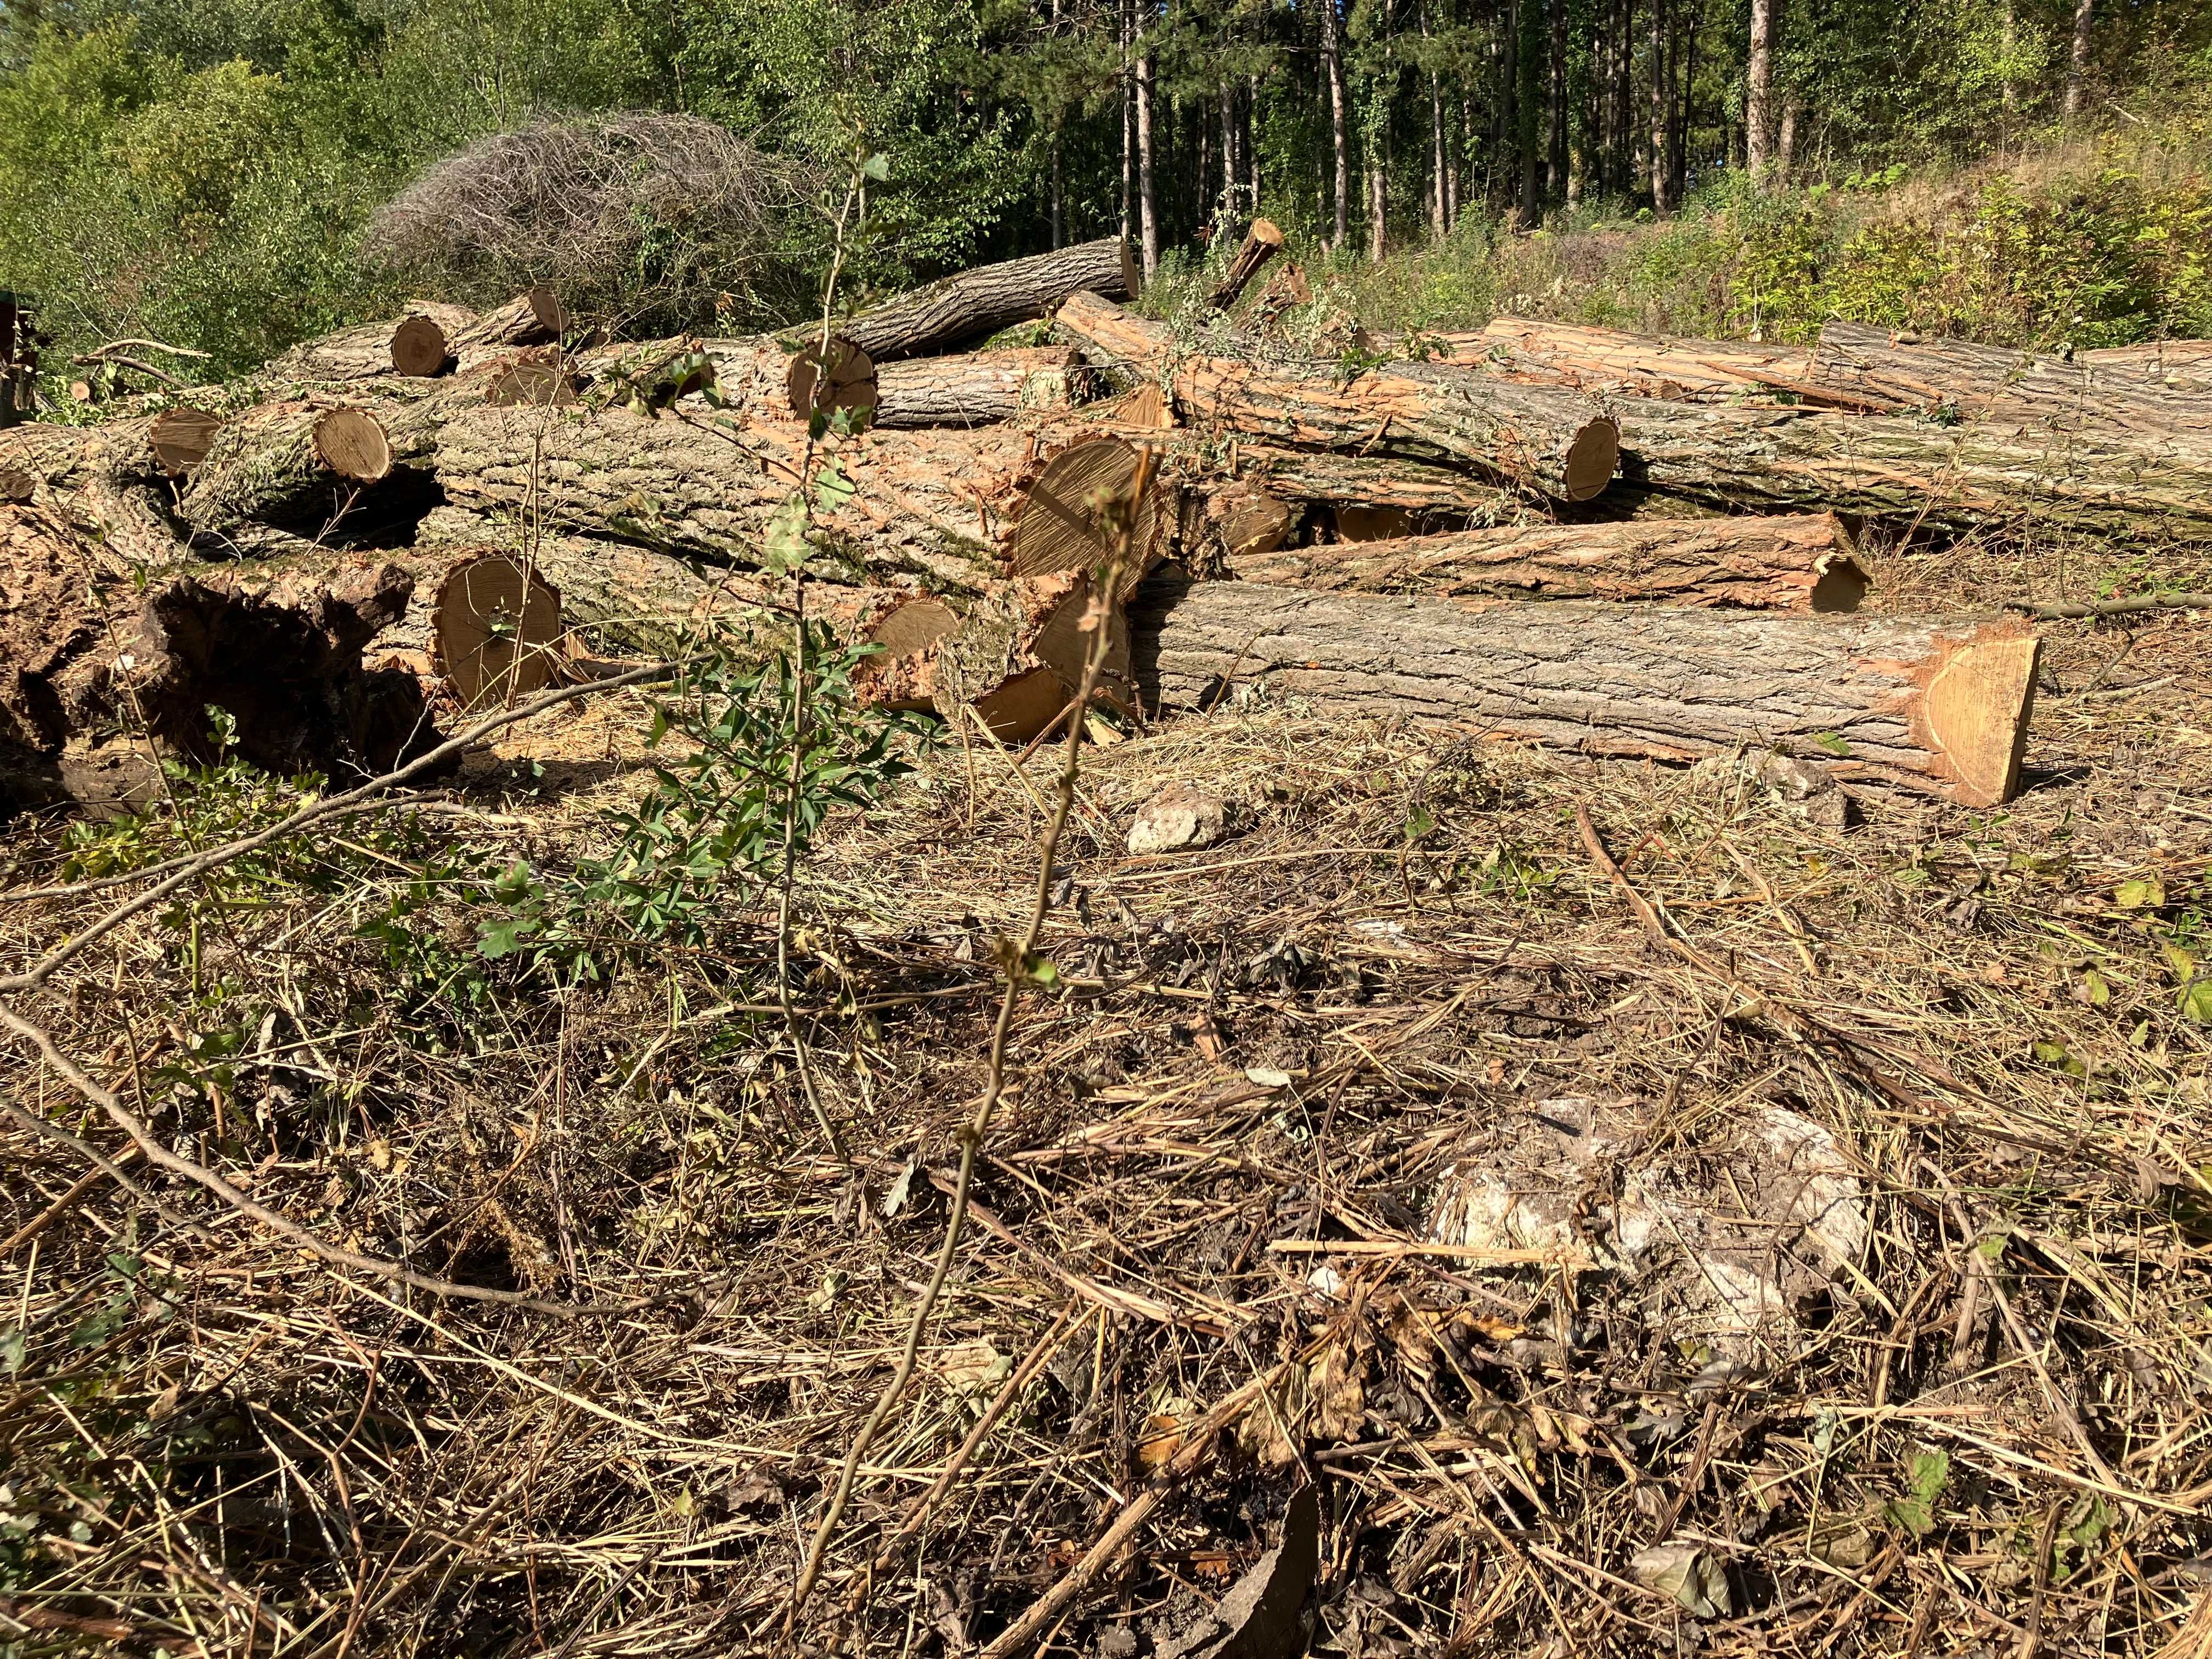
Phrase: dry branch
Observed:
(1262, 242)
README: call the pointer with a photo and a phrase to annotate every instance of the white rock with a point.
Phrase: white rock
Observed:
(1177, 817)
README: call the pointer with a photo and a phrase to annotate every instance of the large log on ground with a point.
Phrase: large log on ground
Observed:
(368, 352)
(1261, 242)
(1927, 375)
(97, 680)
(983, 300)
(979, 388)
(1931, 704)
(1543, 439)
(2176, 365)
(1613, 361)
(301, 459)
(937, 507)
(1797, 564)
(106, 481)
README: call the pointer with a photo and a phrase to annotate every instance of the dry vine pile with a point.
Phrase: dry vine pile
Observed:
(1482, 1195)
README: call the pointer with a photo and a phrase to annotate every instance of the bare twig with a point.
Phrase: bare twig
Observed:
(2054, 611)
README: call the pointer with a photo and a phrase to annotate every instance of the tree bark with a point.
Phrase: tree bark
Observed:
(1758, 89)
(105, 482)
(366, 353)
(980, 388)
(1615, 362)
(989, 298)
(2077, 61)
(2170, 365)
(1936, 705)
(1661, 108)
(1338, 136)
(1911, 471)
(1147, 199)
(1539, 437)
(1802, 564)
(1909, 372)
(309, 460)
(1556, 103)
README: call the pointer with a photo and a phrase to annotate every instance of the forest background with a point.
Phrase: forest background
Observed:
(221, 175)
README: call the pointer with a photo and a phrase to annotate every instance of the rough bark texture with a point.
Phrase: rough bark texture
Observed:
(1931, 375)
(1611, 359)
(992, 297)
(2176, 365)
(1260, 244)
(355, 354)
(104, 482)
(297, 461)
(1914, 471)
(1937, 705)
(980, 388)
(1545, 439)
(1799, 563)
(936, 507)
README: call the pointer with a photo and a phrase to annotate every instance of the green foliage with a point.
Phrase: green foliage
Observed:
(1926, 1475)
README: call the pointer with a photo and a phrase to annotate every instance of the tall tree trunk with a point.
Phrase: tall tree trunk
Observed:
(1148, 211)
(1684, 54)
(1661, 102)
(1252, 138)
(1758, 89)
(1232, 163)
(1528, 67)
(1339, 138)
(2077, 66)
(1624, 103)
(1506, 122)
(1785, 144)
(1128, 122)
(1439, 219)
(1557, 103)
(1377, 202)
(1059, 207)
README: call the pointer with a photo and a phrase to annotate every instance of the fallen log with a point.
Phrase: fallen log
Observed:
(496, 629)
(1939, 705)
(374, 350)
(179, 438)
(1956, 379)
(305, 459)
(1799, 563)
(1071, 516)
(1015, 655)
(1913, 471)
(979, 387)
(101, 682)
(1543, 439)
(936, 507)
(2177, 365)
(104, 481)
(1262, 242)
(981, 301)
(1613, 361)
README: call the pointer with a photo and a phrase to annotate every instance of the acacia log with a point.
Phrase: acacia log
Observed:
(1796, 563)
(1914, 471)
(1543, 439)
(989, 298)
(1940, 705)
(308, 458)
(935, 507)
(1262, 242)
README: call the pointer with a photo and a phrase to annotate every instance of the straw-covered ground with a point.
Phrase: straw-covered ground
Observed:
(1811, 1263)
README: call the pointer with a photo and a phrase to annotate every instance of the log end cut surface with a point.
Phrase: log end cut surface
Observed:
(1975, 713)
(418, 348)
(849, 382)
(179, 438)
(1592, 460)
(497, 625)
(352, 443)
(1064, 522)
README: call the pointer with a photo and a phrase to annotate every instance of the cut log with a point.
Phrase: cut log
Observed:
(1260, 244)
(496, 629)
(2176, 365)
(989, 298)
(286, 460)
(1113, 334)
(419, 349)
(1931, 375)
(103, 481)
(1939, 705)
(1078, 513)
(537, 318)
(848, 383)
(179, 438)
(1909, 471)
(1609, 359)
(1799, 563)
(1016, 656)
(98, 682)
(1286, 288)
(1372, 523)
(1543, 439)
(1248, 522)
(530, 379)
(936, 507)
(1431, 494)
(979, 387)
(370, 352)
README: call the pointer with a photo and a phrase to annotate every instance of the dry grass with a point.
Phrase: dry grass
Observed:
(233, 1449)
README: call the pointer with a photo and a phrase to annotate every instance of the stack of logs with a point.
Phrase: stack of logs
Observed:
(1365, 539)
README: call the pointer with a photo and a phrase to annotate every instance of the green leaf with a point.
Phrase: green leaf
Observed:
(2195, 1001)
(877, 167)
(1419, 822)
(1833, 743)
(784, 548)
(2056, 1054)
(2142, 895)
(504, 939)
(832, 487)
(2100, 991)
(1040, 971)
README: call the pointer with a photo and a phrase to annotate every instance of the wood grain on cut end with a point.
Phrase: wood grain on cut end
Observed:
(1064, 524)
(915, 625)
(497, 628)
(352, 443)
(849, 381)
(1592, 460)
(418, 348)
(1975, 711)
(179, 438)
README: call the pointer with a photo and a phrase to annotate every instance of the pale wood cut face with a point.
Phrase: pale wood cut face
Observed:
(850, 382)
(497, 628)
(1975, 712)
(352, 444)
(1061, 526)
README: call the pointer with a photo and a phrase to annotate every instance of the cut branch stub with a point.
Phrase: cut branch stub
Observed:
(352, 443)
(418, 348)
(850, 382)
(496, 629)
(529, 379)
(1066, 524)
(179, 438)
(1261, 243)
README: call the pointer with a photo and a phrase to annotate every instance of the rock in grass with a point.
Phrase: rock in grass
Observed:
(1176, 818)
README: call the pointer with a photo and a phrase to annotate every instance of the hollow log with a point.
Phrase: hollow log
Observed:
(100, 681)
(1262, 242)
(979, 387)
(1937, 705)
(1931, 375)
(937, 507)
(301, 459)
(1913, 471)
(1798, 563)
(983, 300)
(1545, 439)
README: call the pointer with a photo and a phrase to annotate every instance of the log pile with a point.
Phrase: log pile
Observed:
(1388, 532)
